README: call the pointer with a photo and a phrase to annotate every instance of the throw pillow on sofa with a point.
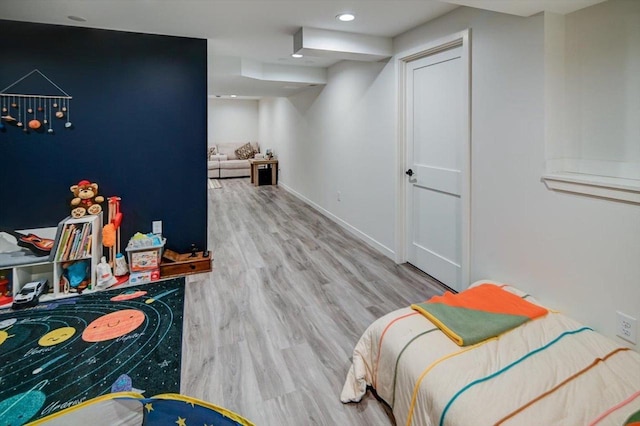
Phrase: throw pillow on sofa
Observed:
(211, 152)
(245, 152)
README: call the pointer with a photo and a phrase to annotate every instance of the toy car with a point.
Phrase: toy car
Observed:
(30, 294)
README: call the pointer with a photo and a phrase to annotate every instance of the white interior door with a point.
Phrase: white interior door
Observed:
(437, 156)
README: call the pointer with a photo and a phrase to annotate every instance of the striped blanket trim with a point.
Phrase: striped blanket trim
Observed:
(508, 367)
(614, 408)
(395, 370)
(434, 364)
(559, 385)
(375, 367)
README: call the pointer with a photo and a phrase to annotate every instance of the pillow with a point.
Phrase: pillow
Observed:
(245, 151)
(211, 151)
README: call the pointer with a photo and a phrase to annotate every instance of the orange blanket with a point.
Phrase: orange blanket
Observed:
(478, 313)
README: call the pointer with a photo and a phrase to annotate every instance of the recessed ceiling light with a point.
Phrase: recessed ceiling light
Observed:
(296, 55)
(77, 18)
(346, 17)
(233, 96)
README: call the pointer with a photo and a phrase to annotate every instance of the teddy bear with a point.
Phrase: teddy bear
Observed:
(86, 199)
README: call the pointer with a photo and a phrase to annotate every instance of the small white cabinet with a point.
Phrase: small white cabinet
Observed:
(30, 268)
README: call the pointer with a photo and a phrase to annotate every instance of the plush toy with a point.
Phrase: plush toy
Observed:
(75, 276)
(86, 199)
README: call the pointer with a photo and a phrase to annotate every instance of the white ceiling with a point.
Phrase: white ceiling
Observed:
(259, 30)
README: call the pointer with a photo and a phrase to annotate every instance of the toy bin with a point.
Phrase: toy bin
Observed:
(145, 258)
(144, 276)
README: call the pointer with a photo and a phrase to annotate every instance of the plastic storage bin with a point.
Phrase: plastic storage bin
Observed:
(145, 258)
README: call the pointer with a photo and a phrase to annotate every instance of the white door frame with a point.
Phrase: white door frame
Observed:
(462, 39)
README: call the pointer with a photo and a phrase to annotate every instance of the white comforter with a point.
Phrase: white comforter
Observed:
(550, 371)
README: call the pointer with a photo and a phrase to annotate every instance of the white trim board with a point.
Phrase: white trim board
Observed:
(627, 190)
(372, 242)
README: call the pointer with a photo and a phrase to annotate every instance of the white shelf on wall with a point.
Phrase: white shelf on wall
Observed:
(592, 78)
(627, 190)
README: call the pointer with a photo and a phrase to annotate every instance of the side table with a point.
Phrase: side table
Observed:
(272, 164)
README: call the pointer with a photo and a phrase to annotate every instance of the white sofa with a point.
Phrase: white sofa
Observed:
(224, 163)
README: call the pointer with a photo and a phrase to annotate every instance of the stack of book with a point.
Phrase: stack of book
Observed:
(75, 242)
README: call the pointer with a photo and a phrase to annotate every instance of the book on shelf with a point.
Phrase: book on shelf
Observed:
(72, 238)
(81, 251)
(74, 242)
(62, 243)
(65, 240)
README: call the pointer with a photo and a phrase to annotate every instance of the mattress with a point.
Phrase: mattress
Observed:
(551, 370)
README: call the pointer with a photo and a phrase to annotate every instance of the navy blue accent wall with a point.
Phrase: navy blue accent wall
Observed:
(139, 111)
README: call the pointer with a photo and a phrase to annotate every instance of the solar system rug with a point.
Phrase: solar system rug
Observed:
(64, 352)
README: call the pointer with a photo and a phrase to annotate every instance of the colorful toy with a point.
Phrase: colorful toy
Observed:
(111, 239)
(86, 199)
(75, 275)
(30, 294)
(105, 277)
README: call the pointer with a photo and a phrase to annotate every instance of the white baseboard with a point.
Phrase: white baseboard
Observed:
(348, 227)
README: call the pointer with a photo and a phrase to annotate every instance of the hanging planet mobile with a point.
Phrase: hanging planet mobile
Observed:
(33, 112)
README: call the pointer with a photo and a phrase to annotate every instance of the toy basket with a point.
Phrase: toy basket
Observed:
(145, 258)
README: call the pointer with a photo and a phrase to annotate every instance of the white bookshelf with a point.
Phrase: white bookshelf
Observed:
(31, 268)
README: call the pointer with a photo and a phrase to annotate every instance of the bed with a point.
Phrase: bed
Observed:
(548, 371)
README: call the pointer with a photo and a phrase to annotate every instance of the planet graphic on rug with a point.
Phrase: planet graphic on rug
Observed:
(10, 337)
(124, 384)
(56, 336)
(113, 325)
(8, 322)
(45, 365)
(128, 295)
(4, 336)
(18, 409)
(158, 297)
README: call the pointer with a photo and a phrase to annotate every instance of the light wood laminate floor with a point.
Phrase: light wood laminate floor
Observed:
(269, 333)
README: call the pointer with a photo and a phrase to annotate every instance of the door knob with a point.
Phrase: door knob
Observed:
(409, 173)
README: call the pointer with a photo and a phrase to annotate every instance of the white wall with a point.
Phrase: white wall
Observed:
(577, 254)
(233, 120)
(340, 138)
